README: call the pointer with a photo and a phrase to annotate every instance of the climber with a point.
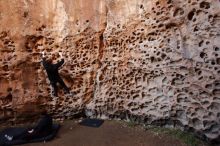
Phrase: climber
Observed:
(53, 74)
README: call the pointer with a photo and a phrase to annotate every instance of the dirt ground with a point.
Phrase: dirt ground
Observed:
(111, 133)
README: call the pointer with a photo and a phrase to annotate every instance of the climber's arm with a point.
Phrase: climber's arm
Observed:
(60, 63)
(43, 61)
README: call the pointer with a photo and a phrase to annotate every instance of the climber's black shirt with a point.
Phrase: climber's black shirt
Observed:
(52, 69)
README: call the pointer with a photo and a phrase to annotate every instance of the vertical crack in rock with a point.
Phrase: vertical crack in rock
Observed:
(99, 59)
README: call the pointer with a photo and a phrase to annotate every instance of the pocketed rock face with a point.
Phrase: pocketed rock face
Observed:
(150, 61)
(160, 65)
(29, 27)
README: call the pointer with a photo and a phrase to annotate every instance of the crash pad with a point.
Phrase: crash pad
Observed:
(91, 122)
(13, 131)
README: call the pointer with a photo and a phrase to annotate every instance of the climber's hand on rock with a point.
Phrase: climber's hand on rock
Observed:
(60, 54)
(43, 54)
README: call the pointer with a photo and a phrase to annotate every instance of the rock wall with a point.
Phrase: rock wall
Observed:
(29, 27)
(150, 61)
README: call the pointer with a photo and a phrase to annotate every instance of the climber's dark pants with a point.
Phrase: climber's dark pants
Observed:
(54, 85)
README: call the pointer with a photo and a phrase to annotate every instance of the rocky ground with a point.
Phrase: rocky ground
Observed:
(111, 133)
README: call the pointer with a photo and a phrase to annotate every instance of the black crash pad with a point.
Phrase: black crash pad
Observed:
(91, 122)
(18, 130)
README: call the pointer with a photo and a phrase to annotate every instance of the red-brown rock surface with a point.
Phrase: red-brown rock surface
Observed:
(151, 61)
